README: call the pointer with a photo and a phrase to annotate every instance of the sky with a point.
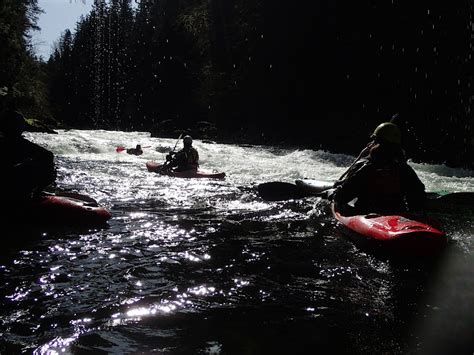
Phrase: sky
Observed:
(58, 16)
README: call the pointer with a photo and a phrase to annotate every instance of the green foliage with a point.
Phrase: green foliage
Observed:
(320, 74)
(20, 72)
(194, 20)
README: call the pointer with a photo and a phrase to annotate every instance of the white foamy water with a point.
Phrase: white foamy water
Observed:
(242, 164)
(185, 264)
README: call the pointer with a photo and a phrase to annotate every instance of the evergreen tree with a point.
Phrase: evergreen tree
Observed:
(320, 74)
(21, 74)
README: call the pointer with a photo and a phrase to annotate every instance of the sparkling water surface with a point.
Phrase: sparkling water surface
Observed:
(205, 266)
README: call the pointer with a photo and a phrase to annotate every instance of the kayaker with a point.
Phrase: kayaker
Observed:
(381, 181)
(135, 151)
(185, 159)
(27, 168)
(390, 130)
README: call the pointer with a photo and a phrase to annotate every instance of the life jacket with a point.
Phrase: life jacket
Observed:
(383, 190)
(188, 159)
(384, 180)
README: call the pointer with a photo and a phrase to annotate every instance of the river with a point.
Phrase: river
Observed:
(207, 267)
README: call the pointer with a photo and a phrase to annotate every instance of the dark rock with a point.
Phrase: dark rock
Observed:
(33, 125)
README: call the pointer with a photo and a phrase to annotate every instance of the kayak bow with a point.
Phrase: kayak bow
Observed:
(393, 234)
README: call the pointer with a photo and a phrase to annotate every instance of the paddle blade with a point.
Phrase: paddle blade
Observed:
(278, 191)
(119, 149)
(313, 187)
(450, 200)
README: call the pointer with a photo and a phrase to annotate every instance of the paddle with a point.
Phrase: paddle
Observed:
(165, 165)
(278, 191)
(177, 141)
(462, 198)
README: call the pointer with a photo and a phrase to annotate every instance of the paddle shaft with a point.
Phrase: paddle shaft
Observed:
(364, 151)
(279, 191)
(165, 165)
(177, 143)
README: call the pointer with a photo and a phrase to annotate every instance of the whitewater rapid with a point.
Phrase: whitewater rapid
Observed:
(204, 266)
(242, 164)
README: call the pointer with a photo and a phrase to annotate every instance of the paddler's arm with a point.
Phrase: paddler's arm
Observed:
(415, 190)
(175, 158)
(362, 155)
(351, 187)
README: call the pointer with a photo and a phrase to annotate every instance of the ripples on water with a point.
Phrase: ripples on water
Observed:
(200, 266)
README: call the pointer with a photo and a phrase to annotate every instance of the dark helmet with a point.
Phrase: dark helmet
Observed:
(388, 132)
(187, 140)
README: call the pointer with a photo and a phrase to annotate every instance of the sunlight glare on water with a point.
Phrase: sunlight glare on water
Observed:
(185, 264)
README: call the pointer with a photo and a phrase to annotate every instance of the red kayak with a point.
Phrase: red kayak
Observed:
(394, 233)
(155, 167)
(71, 209)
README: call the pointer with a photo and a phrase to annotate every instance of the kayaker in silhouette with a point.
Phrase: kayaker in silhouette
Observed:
(366, 151)
(27, 168)
(135, 151)
(187, 159)
(380, 181)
